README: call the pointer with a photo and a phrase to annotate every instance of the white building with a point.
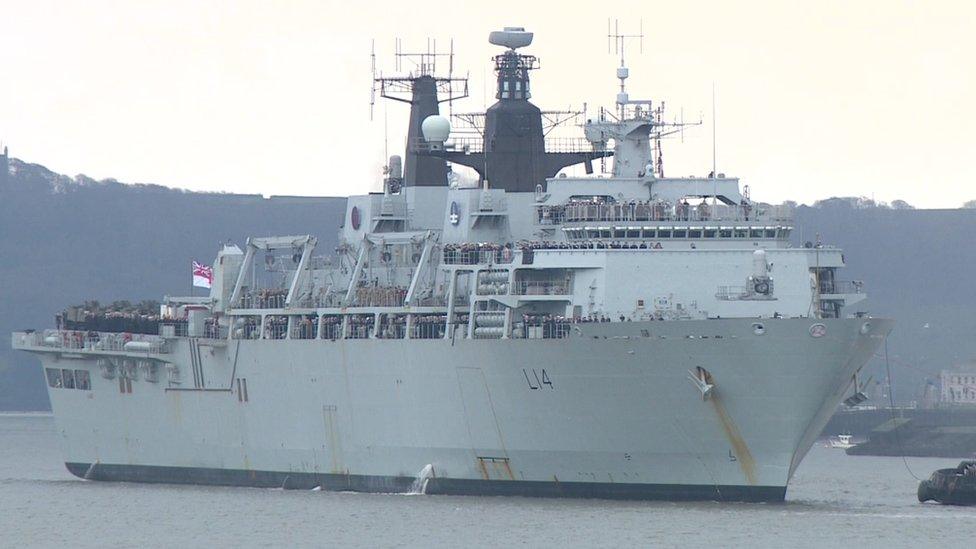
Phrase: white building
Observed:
(959, 386)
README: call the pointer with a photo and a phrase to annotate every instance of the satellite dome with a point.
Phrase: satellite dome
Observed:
(436, 128)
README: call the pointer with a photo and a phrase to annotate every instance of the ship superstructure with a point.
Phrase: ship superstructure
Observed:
(623, 336)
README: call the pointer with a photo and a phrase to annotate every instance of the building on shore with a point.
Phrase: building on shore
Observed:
(958, 385)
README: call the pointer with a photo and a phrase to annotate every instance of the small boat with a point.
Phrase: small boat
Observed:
(840, 441)
(956, 486)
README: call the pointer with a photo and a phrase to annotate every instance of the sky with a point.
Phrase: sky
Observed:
(813, 99)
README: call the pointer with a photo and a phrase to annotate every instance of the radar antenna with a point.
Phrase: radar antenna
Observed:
(420, 64)
(416, 82)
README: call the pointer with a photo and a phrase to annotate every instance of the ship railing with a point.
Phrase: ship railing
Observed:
(841, 287)
(541, 287)
(568, 145)
(542, 329)
(212, 330)
(392, 326)
(174, 328)
(333, 299)
(429, 327)
(304, 327)
(275, 326)
(263, 298)
(476, 144)
(431, 301)
(660, 211)
(76, 340)
(477, 256)
(360, 326)
(331, 327)
(472, 144)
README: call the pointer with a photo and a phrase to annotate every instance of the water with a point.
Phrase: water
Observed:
(835, 500)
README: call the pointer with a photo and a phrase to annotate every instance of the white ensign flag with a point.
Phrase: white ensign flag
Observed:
(202, 275)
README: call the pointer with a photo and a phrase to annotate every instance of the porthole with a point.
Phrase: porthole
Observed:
(758, 328)
(818, 330)
(866, 328)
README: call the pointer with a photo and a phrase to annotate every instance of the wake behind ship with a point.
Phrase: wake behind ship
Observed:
(624, 336)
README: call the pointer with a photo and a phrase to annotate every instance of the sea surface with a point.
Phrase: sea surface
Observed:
(835, 500)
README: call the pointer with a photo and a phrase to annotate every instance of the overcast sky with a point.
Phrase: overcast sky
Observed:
(815, 99)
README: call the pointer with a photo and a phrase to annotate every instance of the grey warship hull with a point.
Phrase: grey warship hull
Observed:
(608, 411)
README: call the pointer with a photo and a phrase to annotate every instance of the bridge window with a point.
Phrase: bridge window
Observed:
(633, 233)
(53, 377)
(694, 233)
(770, 233)
(68, 378)
(680, 233)
(82, 380)
(648, 232)
(710, 233)
(741, 232)
(725, 232)
(664, 233)
(755, 233)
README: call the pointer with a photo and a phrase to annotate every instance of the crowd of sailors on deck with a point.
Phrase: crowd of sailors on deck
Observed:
(640, 210)
(380, 296)
(142, 318)
(472, 253)
(264, 298)
(590, 245)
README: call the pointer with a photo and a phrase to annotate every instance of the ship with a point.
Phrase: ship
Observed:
(622, 335)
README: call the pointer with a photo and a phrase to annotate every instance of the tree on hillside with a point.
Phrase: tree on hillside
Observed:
(970, 204)
(901, 205)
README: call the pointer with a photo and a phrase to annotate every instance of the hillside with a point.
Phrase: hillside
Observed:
(65, 240)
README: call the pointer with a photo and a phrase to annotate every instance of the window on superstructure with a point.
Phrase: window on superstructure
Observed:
(741, 232)
(619, 233)
(593, 233)
(725, 232)
(770, 233)
(53, 377)
(648, 232)
(68, 378)
(710, 233)
(633, 233)
(664, 233)
(82, 380)
(755, 233)
(694, 233)
(680, 233)
(783, 232)
(604, 233)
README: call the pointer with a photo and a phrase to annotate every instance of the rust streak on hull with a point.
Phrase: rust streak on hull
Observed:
(742, 453)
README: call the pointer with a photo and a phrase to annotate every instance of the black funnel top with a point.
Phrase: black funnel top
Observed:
(514, 156)
(422, 170)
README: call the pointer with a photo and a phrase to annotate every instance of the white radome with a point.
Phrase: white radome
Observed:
(436, 128)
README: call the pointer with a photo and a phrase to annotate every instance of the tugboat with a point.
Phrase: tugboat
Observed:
(841, 441)
(955, 486)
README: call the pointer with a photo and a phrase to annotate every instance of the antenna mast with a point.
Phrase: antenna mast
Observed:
(619, 41)
(714, 168)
